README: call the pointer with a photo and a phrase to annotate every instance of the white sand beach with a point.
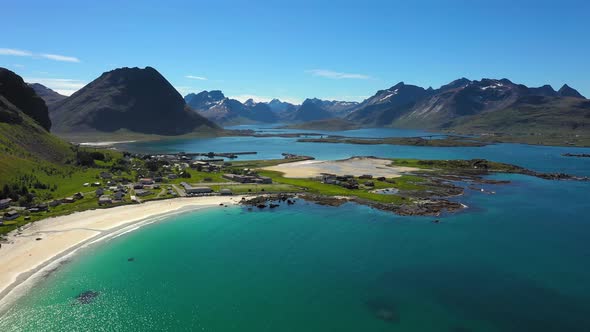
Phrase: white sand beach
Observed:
(24, 255)
(356, 166)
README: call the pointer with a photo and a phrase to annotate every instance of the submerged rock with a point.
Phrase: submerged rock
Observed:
(131, 259)
(86, 297)
(384, 309)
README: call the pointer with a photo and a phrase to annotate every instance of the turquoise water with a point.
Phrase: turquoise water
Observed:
(540, 158)
(514, 261)
(517, 261)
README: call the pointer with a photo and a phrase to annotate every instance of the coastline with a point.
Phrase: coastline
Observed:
(23, 257)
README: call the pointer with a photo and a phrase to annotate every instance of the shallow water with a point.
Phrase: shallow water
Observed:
(540, 158)
(513, 261)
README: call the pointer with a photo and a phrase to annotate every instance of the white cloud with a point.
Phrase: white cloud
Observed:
(265, 99)
(55, 57)
(64, 86)
(15, 52)
(336, 75)
(200, 78)
(58, 57)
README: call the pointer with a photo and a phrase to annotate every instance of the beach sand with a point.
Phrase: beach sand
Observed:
(23, 256)
(356, 166)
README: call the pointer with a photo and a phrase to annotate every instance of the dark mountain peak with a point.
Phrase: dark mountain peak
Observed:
(545, 90)
(49, 96)
(277, 105)
(135, 99)
(22, 96)
(312, 101)
(459, 83)
(250, 102)
(216, 95)
(397, 86)
(567, 91)
(204, 99)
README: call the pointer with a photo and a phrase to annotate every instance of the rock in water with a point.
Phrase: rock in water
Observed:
(86, 297)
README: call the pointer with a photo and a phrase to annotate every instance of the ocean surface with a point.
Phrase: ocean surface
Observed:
(514, 261)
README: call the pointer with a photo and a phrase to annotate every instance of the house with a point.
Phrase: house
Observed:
(54, 203)
(95, 184)
(99, 192)
(172, 176)
(41, 207)
(141, 192)
(68, 200)
(119, 195)
(4, 203)
(264, 180)
(138, 186)
(78, 196)
(225, 192)
(104, 199)
(190, 190)
(366, 177)
(11, 215)
(106, 175)
(147, 181)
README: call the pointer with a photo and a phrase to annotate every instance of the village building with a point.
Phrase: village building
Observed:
(141, 192)
(106, 175)
(104, 199)
(68, 200)
(145, 181)
(11, 215)
(4, 203)
(190, 190)
(54, 203)
(99, 192)
(119, 195)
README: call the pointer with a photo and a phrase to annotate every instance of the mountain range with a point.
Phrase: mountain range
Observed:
(143, 101)
(464, 102)
(215, 106)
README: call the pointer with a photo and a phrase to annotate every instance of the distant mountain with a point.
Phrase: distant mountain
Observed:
(24, 126)
(132, 99)
(23, 97)
(214, 105)
(317, 109)
(388, 104)
(49, 96)
(566, 91)
(463, 101)
(281, 106)
(204, 100)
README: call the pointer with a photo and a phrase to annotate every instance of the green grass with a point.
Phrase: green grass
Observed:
(316, 187)
(257, 188)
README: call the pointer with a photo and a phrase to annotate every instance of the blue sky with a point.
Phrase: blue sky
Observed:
(292, 50)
